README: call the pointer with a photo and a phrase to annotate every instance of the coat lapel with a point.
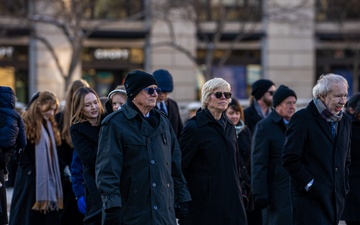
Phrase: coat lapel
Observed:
(321, 122)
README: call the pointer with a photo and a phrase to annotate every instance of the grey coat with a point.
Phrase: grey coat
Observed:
(310, 152)
(138, 168)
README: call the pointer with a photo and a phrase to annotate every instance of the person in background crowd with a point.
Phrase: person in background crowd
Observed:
(116, 98)
(12, 139)
(37, 196)
(317, 154)
(86, 114)
(138, 167)
(192, 108)
(351, 210)
(235, 113)
(210, 160)
(164, 103)
(269, 180)
(69, 215)
(261, 103)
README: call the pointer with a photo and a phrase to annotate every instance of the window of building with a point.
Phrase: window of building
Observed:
(234, 10)
(337, 10)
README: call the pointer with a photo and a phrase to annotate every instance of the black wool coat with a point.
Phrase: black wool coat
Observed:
(351, 210)
(269, 179)
(310, 152)
(209, 160)
(174, 116)
(85, 140)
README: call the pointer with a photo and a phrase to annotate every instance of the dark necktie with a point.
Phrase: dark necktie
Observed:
(162, 107)
(333, 129)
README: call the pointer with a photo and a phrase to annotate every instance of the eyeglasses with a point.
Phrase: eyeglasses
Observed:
(151, 91)
(270, 93)
(219, 95)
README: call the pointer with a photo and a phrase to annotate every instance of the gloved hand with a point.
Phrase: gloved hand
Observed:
(81, 205)
(182, 210)
(112, 216)
(261, 201)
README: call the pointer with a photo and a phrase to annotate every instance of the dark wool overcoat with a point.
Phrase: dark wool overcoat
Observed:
(352, 202)
(174, 116)
(269, 179)
(311, 152)
(209, 160)
(139, 168)
(24, 193)
(252, 117)
(85, 140)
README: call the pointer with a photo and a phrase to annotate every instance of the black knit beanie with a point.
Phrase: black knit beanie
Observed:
(137, 80)
(164, 80)
(353, 101)
(281, 93)
(260, 87)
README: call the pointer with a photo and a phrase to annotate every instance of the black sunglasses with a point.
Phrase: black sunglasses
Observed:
(219, 94)
(151, 91)
(270, 92)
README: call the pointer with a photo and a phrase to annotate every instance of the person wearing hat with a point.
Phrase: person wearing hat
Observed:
(351, 210)
(165, 104)
(115, 99)
(138, 167)
(269, 180)
(316, 154)
(260, 103)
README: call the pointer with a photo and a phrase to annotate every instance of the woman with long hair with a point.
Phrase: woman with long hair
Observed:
(38, 196)
(86, 114)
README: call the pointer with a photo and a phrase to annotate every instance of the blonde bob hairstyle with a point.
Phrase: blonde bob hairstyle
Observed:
(33, 118)
(210, 86)
(78, 104)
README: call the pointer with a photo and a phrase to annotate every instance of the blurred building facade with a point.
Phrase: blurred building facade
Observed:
(291, 43)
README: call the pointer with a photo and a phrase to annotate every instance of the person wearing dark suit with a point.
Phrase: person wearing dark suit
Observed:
(317, 154)
(269, 180)
(166, 104)
(351, 211)
(86, 114)
(260, 103)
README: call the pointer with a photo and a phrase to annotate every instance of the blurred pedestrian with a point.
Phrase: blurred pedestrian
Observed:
(12, 139)
(70, 214)
(269, 180)
(37, 196)
(351, 210)
(86, 114)
(235, 113)
(210, 160)
(317, 154)
(115, 99)
(165, 104)
(260, 103)
(192, 107)
(138, 168)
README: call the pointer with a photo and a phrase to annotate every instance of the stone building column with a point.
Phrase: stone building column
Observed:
(288, 52)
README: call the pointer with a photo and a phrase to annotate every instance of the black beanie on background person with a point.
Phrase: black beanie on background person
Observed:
(353, 101)
(260, 87)
(281, 93)
(137, 80)
(164, 80)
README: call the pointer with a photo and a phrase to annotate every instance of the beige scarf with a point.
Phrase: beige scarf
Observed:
(49, 194)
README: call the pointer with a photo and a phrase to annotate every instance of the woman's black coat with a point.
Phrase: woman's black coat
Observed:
(209, 160)
(85, 139)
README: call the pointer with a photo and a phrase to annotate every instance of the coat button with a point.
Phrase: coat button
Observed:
(167, 163)
(155, 207)
(152, 161)
(168, 185)
(336, 170)
(153, 184)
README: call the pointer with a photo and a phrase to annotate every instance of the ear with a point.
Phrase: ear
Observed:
(322, 98)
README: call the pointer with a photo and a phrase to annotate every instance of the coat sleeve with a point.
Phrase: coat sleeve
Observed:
(259, 160)
(109, 163)
(295, 140)
(189, 143)
(77, 180)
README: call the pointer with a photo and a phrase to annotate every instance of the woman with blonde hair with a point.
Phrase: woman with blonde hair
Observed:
(38, 196)
(73, 201)
(86, 115)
